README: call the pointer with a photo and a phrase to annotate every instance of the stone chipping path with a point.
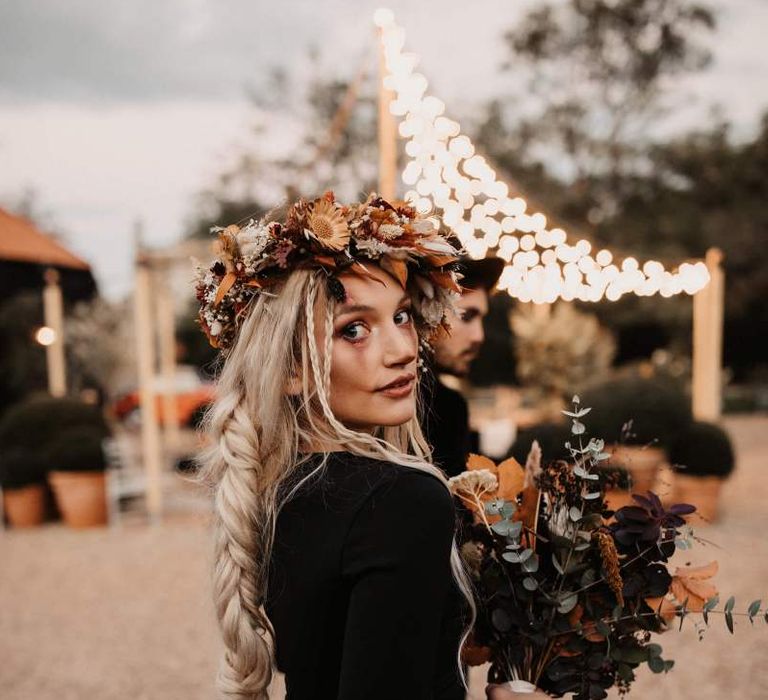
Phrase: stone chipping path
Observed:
(124, 613)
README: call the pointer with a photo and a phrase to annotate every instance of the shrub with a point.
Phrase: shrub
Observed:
(703, 449)
(35, 434)
(637, 411)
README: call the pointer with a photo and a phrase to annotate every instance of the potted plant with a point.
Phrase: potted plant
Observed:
(22, 478)
(702, 457)
(43, 434)
(78, 478)
(639, 418)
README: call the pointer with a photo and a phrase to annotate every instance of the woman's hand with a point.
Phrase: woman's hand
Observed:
(502, 692)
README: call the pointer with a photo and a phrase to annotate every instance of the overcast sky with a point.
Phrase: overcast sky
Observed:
(114, 111)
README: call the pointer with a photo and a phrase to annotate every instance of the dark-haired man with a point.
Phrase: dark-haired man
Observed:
(446, 419)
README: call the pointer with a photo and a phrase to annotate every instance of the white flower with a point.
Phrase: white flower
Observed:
(475, 481)
(253, 240)
(216, 328)
(372, 247)
(390, 231)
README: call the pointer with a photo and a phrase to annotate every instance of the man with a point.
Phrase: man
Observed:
(445, 419)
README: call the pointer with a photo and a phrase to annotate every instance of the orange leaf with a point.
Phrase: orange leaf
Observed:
(325, 260)
(224, 286)
(668, 609)
(528, 512)
(362, 270)
(588, 627)
(444, 280)
(480, 462)
(397, 268)
(690, 583)
(697, 572)
(439, 260)
(511, 478)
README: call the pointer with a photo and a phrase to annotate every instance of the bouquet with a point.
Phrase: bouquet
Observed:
(570, 595)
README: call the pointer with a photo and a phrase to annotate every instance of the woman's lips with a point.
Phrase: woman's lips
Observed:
(398, 389)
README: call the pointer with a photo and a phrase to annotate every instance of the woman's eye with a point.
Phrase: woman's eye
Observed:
(403, 316)
(354, 331)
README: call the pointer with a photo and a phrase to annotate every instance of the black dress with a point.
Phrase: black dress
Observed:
(360, 591)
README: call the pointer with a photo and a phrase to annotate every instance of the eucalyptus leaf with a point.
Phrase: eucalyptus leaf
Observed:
(526, 554)
(592, 496)
(531, 565)
(656, 664)
(512, 557)
(578, 428)
(729, 621)
(754, 608)
(567, 603)
(729, 604)
(530, 583)
(575, 514)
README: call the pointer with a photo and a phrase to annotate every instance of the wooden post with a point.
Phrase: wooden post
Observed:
(167, 333)
(145, 354)
(708, 341)
(53, 313)
(387, 133)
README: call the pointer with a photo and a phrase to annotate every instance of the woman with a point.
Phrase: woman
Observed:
(335, 560)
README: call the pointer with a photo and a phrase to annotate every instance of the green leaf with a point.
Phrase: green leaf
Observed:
(556, 563)
(754, 608)
(512, 557)
(531, 564)
(656, 664)
(575, 514)
(711, 604)
(588, 577)
(507, 528)
(494, 507)
(654, 649)
(625, 673)
(729, 604)
(501, 620)
(729, 621)
(634, 655)
(530, 583)
(567, 603)
(526, 554)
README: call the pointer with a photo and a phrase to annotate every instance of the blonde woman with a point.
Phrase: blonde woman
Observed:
(334, 558)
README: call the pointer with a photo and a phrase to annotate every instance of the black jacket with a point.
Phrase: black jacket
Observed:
(445, 423)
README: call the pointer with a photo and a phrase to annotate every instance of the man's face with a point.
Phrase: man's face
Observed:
(455, 351)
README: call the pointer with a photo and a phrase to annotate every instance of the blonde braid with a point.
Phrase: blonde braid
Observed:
(246, 668)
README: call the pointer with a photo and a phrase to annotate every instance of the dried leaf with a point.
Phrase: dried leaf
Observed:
(511, 478)
(224, 286)
(397, 268)
(481, 462)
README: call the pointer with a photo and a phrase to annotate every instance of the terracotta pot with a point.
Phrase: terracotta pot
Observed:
(700, 491)
(642, 463)
(25, 506)
(81, 497)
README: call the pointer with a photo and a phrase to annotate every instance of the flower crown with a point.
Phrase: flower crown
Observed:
(323, 234)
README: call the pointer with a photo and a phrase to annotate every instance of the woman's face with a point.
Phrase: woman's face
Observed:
(374, 353)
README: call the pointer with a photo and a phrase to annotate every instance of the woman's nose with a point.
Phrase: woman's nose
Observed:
(400, 346)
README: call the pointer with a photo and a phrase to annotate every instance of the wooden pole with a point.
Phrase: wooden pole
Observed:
(708, 341)
(53, 313)
(145, 354)
(167, 333)
(387, 133)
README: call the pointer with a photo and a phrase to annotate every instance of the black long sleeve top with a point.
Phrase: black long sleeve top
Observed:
(360, 590)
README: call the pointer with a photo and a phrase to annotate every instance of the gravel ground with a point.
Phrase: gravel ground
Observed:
(125, 612)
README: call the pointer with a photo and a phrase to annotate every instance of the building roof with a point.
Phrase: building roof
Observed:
(22, 241)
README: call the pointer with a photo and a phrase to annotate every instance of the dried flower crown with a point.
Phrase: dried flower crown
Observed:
(323, 234)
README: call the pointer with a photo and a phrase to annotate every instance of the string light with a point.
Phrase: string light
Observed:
(447, 177)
